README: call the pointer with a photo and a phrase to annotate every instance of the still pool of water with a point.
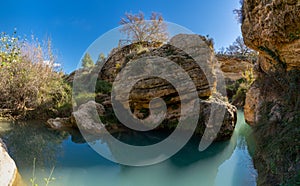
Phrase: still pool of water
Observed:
(37, 149)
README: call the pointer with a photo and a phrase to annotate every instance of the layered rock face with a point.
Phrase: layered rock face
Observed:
(233, 67)
(273, 29)
(273, 102)
(202, 76)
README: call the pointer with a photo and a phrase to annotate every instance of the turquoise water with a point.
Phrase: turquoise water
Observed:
(76, 164)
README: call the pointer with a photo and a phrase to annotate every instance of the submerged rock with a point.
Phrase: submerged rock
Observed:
(60, 123)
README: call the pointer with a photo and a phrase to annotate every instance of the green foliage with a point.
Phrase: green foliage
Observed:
(278, 142)
(28, 77)
(240, 87)
(85, 86)
(47, 180)
(103, 87)
(101, 59)
(10, 49)
(87, 61)
(294, 36)
(278, 151)
(84, 97)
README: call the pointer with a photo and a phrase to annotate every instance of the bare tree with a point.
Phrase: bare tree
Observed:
(138, 29)
(238, 47)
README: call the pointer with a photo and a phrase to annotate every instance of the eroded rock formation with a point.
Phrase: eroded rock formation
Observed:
(273, 29)
(273, 102)
(233, 67)
(184, 50)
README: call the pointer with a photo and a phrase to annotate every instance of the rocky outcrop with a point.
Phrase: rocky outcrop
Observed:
(8, 170)
(273, 29)
(127, 54)
(239, 74)
(272, 104)
(149, 88)
(202, 76)
(233, 67)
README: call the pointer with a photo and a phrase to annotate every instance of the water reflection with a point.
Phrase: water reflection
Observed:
(76, 163)
(27, 141)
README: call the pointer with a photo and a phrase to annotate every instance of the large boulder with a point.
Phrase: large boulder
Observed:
(185, 51)
(9, 175)
(86, 117)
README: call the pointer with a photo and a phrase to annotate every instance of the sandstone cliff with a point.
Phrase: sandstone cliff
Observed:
(238, 73)
(272, 105)
(273, 29)
(145, 90)
(233, 67)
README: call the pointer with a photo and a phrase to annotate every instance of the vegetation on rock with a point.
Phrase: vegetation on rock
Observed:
(240, 50)
(240, 88)
(237, 62)
(273, 101)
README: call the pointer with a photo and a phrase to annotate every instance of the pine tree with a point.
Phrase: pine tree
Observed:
(87, 61)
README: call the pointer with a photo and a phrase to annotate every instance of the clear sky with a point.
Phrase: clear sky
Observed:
(74, 25)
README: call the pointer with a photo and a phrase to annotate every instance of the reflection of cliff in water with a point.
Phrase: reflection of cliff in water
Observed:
(76, 162)
(27, 141)
(189, 158)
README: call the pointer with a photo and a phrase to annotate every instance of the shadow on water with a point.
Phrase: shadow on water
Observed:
(76, 163)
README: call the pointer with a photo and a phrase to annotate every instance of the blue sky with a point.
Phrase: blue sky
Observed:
(74, 25)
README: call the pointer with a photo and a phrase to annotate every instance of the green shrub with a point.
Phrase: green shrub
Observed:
(103, 87)
(241, 87)
(29, 78)
(84, 97)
